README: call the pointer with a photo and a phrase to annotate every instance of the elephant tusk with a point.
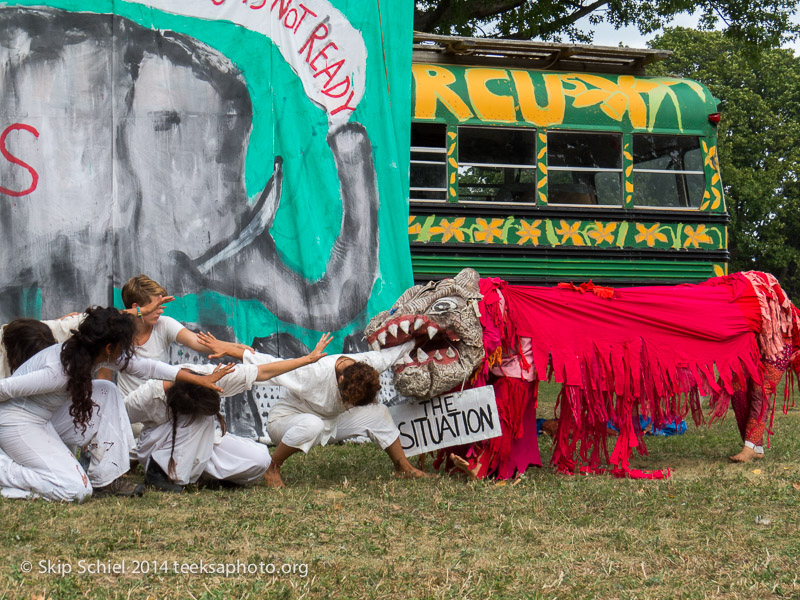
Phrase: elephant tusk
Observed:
(263, 215)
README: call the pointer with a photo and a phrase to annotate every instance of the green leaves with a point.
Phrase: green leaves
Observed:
(759, 147)
(758, 24)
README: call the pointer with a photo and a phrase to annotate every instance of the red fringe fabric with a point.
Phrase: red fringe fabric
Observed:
(621, 353)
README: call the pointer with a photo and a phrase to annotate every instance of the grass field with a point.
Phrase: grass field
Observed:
(345, 529)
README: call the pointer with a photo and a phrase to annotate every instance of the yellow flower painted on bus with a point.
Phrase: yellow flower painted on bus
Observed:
(529, 231)
(614, 99)
(414, 228)
(695, 237)
(571, 233)
(602, 233)
(448, 230)
(488, 231)
(651, 235)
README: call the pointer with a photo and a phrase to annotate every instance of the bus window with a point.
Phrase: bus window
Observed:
(667, 171)
(497, 164)
(584, 168)
(428, 161)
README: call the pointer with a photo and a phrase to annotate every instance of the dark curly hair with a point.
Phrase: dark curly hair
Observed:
(101, 327)
(360, 384)
(193, 401)
(23, 338)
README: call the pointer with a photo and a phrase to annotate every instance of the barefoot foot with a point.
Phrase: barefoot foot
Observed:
(411, 472)
(745, 456)
(272, 477)
(463, 465)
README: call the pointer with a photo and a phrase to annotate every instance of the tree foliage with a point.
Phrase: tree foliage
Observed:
(759, 144)
(760, 23)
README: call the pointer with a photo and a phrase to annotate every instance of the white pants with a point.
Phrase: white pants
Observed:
(304, 431)
(197, 452)
(36, 459)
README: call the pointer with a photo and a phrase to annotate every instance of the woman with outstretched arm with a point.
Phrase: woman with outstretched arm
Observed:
(34, 459)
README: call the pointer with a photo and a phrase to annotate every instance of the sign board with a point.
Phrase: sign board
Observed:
(447, 420)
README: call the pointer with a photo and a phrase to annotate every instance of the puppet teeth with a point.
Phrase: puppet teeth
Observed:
(451, 353)
(382, 338)
(404, 325)
(437, 355)
(432, 331)
(419, 322)
(393, 329)
(375, 345)
(421, 356)
(407, 359)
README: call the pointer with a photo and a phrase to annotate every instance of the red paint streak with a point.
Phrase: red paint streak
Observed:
(14, 160)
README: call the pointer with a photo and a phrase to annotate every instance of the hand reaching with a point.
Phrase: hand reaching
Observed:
(318, 351)
(212, 378)
(153, 306)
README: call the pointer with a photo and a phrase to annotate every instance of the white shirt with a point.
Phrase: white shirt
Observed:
(39, 387)
(165, 331)
(62, 331)
(314, 388)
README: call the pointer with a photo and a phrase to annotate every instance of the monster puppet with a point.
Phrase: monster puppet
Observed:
(618, 353)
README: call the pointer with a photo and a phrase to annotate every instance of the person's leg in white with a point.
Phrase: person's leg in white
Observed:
(293, 434)
(108, 438)
(194, 442)
(35, 462)
(375, 421)
(238, 460)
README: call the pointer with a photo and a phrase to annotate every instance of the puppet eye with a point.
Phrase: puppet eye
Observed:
(443, 305)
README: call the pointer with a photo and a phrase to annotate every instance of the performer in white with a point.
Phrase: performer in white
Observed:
(180, 444)
(35, 461)
(330, 400)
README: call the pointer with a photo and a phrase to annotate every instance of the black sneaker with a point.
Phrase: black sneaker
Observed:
(119, 487)
(155, 477)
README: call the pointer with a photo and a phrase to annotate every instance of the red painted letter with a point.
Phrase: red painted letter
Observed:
(14, 160)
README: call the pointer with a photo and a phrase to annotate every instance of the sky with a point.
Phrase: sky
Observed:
(606, 35)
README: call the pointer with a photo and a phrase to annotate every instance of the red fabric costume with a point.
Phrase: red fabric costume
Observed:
(624, 352)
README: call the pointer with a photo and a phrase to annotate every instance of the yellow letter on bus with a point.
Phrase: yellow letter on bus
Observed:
(550, 114)
(432, 86)
(489, 106)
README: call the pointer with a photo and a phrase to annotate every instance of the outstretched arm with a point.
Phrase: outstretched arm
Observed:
(206, 381)
(273, 369)
(219, 348)
(150, 307)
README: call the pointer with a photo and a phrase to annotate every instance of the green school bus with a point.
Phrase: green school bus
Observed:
(541, 163)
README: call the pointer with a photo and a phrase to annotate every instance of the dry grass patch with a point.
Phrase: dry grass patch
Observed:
(363, 534)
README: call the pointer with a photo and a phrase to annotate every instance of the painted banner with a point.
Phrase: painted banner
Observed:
(447, 420)
(249, 155)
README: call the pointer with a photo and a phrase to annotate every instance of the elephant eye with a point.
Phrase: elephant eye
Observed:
(164, 120)
(443, 305)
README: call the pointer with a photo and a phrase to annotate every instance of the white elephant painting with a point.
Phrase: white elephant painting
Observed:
(125, 151)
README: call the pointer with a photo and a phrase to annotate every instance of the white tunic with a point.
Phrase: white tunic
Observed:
(199, 447)
(314, 389)
(164, 333)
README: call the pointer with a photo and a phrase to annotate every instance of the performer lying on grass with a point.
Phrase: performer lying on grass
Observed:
(331, 400)
(35, 461)
(179, 444)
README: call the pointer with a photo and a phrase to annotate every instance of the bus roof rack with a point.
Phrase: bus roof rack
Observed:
(551, 56)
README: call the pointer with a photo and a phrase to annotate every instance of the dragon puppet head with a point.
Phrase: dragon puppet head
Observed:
(443, 319)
